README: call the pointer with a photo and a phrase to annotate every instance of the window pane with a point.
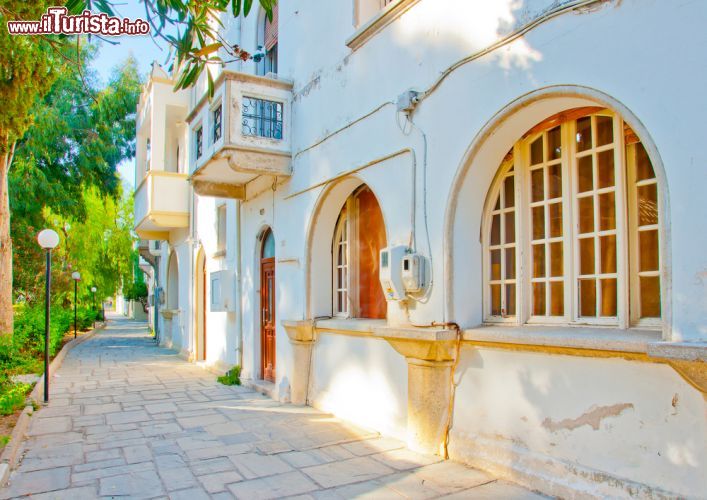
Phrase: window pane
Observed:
(538, 223)
(554, 181)
(508, 192)
(371, 301)
(584, 133)
(555, 219)
(557, 298)
(495, 264)
(585, 181)
(586, 256)
(608, 254)
(496, 300)
(510, 300)
(608, 297)
(586, 215)
(605, 130)
(605, 168)
(644, 168)
(497, 206)
(556, 259)
(539, 299)
(536, 181)
(587, 298)
(650, 297)
(648, 250)
(539, 261)
(510, 263)
(607, 211)
(510, 233)
(536, 151)
(554, 148)
(647, 204)
(496, 230)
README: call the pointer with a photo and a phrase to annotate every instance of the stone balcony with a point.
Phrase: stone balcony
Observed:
(161, 204)
(254, 138)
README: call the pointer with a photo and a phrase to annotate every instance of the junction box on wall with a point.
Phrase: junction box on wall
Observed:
(222, 291)
(401, 272)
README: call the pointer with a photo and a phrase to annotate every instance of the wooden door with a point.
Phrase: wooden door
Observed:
(267, 318)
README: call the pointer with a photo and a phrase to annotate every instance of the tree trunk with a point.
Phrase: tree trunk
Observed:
(5, 246)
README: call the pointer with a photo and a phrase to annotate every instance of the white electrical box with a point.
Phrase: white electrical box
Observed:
(414, 273)
(222, 292)
(391, 259)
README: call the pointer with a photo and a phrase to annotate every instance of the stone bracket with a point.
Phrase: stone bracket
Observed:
(302, 337)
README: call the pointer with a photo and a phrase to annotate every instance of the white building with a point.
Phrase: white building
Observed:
(546, 173)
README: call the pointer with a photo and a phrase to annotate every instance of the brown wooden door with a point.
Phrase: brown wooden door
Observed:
(267, 318)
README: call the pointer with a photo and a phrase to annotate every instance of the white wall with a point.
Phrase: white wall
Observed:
(595, 418)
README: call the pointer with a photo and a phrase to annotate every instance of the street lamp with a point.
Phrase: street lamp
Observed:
(48, 240)
(93, 290)
(76, 276)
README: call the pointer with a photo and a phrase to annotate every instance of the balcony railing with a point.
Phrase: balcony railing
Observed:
(161, 204)
(248, 135)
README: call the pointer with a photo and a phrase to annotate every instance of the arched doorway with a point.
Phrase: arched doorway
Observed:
(200, 316)
(267, 306)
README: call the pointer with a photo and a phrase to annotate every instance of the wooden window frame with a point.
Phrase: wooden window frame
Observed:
(626, 231)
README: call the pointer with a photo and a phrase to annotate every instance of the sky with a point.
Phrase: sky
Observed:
(145, 51)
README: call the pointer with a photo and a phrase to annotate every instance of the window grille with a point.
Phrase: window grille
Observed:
(217, 123)
(199, 141)
(262, 118)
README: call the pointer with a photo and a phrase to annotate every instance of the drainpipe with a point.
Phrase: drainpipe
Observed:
(239, 297)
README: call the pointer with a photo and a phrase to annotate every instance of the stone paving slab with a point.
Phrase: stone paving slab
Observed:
(130, 419)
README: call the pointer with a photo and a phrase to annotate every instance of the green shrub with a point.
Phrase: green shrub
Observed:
(13, 398)
(232, 376)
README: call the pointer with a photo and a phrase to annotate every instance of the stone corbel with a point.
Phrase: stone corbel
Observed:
(430, 356)
(301, 335)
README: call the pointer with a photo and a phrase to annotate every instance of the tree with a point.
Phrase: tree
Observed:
(197, 43)
(28, 69)
(77, 140)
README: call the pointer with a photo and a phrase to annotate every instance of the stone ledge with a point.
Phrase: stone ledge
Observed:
(683, 351)
(600, 339)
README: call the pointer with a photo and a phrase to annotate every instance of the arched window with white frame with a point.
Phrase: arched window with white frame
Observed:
(571, 227)
(358, 239)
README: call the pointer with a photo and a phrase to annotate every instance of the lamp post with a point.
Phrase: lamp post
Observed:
(76, 276)
(93, 290)
(48, 240)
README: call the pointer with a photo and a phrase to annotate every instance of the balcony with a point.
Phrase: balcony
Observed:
(161, 204)
(243, 133)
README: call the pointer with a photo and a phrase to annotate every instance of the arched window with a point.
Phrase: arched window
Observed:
(571, 229)
(358, 239)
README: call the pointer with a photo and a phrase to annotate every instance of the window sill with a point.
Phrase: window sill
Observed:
(350, 326)
(386, 16)
(679, 351)
(588, 338)
(219, 255)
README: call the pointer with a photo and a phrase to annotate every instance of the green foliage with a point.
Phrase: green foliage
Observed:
(14, 398)
(190, 30)
(4, 439)
(232, 376)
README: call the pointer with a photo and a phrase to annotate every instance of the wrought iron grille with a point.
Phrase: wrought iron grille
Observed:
(217, 124)
(262, 118)
(199, 141)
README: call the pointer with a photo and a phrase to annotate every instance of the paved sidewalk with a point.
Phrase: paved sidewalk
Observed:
(130, 419)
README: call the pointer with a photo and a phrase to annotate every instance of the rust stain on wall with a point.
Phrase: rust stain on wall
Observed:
(592, 418)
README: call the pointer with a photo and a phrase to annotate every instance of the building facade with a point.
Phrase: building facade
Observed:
(471, 225)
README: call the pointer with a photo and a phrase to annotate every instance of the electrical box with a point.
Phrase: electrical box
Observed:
(155, 248)
(407, 101)
(391, 259)
(222, 292)
(414, 273)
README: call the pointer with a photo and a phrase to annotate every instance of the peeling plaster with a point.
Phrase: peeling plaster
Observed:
(592, 418)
